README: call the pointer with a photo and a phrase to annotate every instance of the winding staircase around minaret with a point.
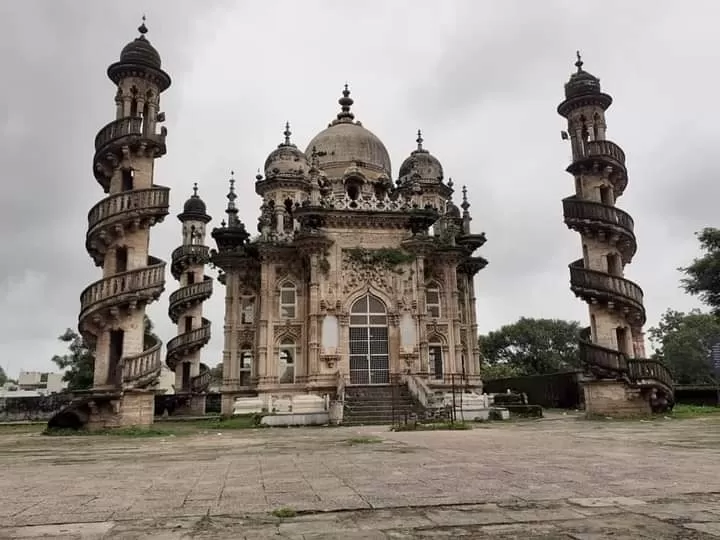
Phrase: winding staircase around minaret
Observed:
(620, 380)
(192, 378)
(112, 316)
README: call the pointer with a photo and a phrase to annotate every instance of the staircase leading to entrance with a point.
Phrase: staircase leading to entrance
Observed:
(377, 404)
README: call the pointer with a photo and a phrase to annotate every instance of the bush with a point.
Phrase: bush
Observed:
(509, 399)
(525, 411)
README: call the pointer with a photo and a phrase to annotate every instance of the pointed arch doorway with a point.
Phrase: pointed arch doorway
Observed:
(369, 358)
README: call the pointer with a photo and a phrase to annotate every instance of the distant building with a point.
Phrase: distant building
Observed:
(43, 383)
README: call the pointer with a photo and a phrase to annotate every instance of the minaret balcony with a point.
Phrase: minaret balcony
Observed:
(602, 154)
(601, 361)
(598, 219)
(186, 256)
(201, 383)
(102, 301)
(129, 126)
(647, 373)
(188, 296)
(142, 368)
(112, 216)
(594, 286)
(185, 344)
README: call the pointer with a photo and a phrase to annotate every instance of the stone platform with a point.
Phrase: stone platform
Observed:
(553, 478)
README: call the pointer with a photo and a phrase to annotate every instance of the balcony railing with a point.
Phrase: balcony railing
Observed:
(183, 343)
(132, 281)
(141, 365)
(192, 253)
(191, 293)
(604, 148)
(649, 370)
(581, 210)
(154, 200)
(615, 286)
(200, 383)
(123, 127)
(608, 360)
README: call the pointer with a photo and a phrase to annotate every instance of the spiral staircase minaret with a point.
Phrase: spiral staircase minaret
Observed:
(612, 348)
(192, 378)
(112, 316)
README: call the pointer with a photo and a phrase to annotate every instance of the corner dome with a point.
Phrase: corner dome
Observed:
(286, 159)
(345, 143)
(194, 208)
(422, 163)
(581, 82)
(140, 51)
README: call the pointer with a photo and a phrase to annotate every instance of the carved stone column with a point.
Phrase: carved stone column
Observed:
(313, 317)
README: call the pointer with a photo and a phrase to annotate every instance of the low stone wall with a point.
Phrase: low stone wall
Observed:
(33, 408)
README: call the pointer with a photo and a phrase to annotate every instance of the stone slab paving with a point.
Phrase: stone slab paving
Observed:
(546, 479)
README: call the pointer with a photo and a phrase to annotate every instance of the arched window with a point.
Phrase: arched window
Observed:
(435, 359)
(369, 361)
(286, 361)
(246, 362)
(432, 301)
(288, 300)
(247, 309)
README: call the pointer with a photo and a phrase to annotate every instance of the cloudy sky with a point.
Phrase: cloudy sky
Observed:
(482, 79)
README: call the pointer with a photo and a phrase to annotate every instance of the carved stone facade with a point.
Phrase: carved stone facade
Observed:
(345, 278)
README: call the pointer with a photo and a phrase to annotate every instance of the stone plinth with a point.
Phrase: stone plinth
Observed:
(614, 399)
(132, 408)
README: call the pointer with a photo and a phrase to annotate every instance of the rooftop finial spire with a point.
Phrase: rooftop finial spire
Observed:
(579, 63)
(231, 210)
(419, 140)
(142, 28)
(465, 204)
(345, 103)
(287, 133)
(195, 189)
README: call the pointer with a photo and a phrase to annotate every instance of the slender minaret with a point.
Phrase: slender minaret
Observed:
(611, 348)
(112, 315)
(186, 307)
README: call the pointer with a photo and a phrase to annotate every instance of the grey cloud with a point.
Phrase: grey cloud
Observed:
(481, 79)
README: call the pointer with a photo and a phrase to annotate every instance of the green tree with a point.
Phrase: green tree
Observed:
(79, 362)
(683, 342)
(531, 347)
(702, 277)
(3, 376)
(216, 374)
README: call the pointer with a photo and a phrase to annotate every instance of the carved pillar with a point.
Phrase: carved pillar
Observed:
(422, 315)
(230, 374)
(313, 317)
(394, 343)
(266, 300)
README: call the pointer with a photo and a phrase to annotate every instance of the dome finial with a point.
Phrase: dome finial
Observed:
(450, 183)
(579, 63)
(142, 28)
(231, 210)
(287, 133)
(419, 140)
(195, 190)
(345, 103)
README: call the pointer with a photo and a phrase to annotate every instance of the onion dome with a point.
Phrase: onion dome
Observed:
(194, 208)
(581, 82)
(345, 143)
(286, 159)
(422, 164)
(140, 55)
(451, 210)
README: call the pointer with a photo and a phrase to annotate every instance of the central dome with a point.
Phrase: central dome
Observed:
(345, 143)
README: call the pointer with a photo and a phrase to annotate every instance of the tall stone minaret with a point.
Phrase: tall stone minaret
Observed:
(112, 314)
(613, 346)
(186, 307)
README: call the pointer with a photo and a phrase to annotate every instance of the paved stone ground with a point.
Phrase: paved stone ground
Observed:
(544, 479)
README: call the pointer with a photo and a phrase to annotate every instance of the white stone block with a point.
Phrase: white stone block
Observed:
(308, 403)
(247, 405)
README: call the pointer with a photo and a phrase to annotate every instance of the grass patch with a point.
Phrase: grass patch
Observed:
(38, 427)
(693, 411)
(432, 426)
(284, 512)
(363, 440)
(131, 432)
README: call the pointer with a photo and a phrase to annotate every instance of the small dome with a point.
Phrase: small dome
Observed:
(581, 82)
(423, 163)
(140, 51)
(452, 210)
(194, 208)
(345, 142)
(286, 159)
